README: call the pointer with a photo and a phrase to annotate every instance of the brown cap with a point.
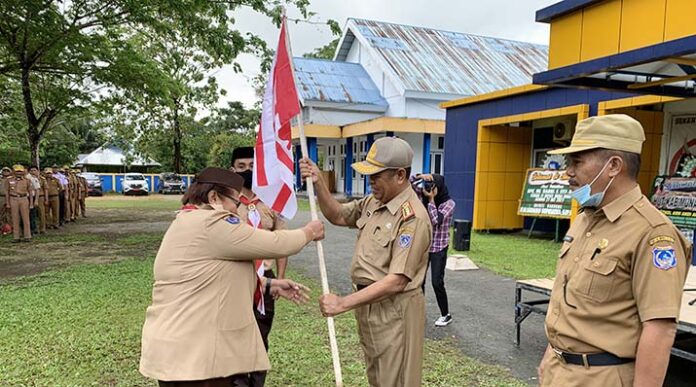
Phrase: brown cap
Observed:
(385, 153)
(614, 131)
(213, 175)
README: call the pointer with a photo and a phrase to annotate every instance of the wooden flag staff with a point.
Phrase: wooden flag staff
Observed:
(320, 248)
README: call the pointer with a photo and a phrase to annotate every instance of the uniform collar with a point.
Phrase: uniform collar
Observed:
(394, 204)
(620, 205)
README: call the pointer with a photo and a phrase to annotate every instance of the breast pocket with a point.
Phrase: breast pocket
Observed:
(598, 278)
(381, 236)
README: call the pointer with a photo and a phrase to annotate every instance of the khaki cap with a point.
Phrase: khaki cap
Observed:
(48, 170)
(18, 168)
(614, 131)
(5, 169)
(385, 153)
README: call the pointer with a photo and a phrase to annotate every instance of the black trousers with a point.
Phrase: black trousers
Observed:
(437, 262)
(265, 322)
(61, 206)
(34, 220)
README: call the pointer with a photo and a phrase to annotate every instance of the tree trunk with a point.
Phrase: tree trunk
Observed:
(34, 144)
(177, 139)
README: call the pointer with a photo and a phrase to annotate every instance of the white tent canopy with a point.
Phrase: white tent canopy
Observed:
(113, 155)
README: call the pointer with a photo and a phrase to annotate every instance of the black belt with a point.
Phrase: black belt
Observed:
(590, 360)
(19, 196)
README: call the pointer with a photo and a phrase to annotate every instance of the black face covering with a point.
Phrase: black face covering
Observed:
(442, 194)
(247, 176)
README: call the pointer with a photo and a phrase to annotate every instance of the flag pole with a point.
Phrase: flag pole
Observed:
(320, 248)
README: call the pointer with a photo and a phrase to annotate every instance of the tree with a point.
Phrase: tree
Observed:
(324, 52)
(234, 126)
(67, 54)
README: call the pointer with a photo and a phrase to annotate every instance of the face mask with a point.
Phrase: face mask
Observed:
(584, 194)
(248, 177)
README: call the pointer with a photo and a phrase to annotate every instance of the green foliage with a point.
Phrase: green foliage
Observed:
(324, 52)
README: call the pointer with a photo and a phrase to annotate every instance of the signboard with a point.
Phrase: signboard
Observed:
(682, 146)
(546, 194)
(676, 198)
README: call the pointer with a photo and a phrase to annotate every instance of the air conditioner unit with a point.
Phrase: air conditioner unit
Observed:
(563, 131)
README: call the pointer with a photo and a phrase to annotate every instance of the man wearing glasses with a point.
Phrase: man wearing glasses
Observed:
(621, 270)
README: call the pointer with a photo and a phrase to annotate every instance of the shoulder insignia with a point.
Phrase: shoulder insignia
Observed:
(405, 240)
(664, 257)
(407, 211)
(232, 220)
(661, 238)
(650, 213)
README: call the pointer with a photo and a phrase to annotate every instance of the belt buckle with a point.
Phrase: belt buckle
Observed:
(559, 355)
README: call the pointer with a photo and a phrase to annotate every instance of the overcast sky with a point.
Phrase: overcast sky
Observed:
(509, 19)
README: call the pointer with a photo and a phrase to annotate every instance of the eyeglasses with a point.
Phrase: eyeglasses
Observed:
(565, 285)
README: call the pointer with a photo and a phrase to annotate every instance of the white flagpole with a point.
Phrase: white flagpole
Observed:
(320, 248)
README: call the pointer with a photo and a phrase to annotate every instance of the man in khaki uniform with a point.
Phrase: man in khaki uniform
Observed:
(74, 191)
(4, 212)
(53, 188)
(389, 263)
(19, 191)
(617, 295)
(40, 199)
(83, 195)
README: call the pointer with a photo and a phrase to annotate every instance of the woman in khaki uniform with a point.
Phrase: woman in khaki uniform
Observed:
(200, 329)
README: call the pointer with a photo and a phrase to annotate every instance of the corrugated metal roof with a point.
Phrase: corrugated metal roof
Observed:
(434, 61)
(340, 82)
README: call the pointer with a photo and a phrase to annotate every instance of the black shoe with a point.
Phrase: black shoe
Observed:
(16, 240)
(26, 240)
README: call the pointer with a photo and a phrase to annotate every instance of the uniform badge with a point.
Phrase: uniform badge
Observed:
(405, 240)
(664, 257)
(407, 211)
(661, 238)
(232, 220)
(603, 244)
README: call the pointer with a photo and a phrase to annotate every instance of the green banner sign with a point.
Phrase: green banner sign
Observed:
(546, 194)
(676, 198)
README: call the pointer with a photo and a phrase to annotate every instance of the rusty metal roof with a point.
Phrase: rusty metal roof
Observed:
(434, 61)
(338, 82)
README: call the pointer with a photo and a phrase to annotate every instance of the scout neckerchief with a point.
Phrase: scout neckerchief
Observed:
(254, 220)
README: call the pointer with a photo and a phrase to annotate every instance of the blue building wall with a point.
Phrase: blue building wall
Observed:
(462, 130)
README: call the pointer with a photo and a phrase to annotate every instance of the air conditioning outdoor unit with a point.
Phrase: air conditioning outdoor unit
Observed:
(563, 131)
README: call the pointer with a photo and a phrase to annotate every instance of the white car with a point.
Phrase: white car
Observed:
(135, 184)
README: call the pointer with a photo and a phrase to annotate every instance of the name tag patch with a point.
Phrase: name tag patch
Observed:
(661, 238)
(405, 240)
(664, 257)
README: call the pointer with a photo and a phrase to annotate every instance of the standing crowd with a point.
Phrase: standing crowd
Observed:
(32, 202)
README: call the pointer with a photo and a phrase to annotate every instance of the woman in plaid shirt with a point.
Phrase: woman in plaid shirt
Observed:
(441, 209)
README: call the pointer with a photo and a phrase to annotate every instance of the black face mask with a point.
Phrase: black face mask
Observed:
(247, 176)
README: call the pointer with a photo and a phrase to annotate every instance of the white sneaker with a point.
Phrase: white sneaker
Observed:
(443, 321)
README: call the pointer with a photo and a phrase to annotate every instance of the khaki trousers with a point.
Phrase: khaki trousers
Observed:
(4, 212)
(569, 375)
(392, 333)
(42, 214)
(19, 207)
(83, 206)
(53, 210)
(68, 208)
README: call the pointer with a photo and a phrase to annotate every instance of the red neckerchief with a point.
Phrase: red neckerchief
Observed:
(188, 207)
(258, 263)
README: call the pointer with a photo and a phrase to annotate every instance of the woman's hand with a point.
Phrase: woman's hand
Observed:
(290, 290)
(315, 230)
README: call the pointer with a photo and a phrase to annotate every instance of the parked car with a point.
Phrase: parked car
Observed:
(171, 183)
(94, 183)
(135, 184)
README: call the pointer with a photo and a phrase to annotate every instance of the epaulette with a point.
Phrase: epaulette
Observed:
(407, 211)
(650, 213)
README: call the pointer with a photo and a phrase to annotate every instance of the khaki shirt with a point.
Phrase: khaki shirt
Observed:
(269, 220)
(392, 238)
(18, 186)
(3, 187)
(637, 274)
(53, 186)
(201, 324)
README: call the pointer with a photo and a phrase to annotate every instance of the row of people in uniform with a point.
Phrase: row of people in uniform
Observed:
(612, 314)
(32, 201)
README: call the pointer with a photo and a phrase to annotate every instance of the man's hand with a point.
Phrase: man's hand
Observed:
(542, 364)
(315, 230)
(308, 168)
(289, 290)
(331, 305)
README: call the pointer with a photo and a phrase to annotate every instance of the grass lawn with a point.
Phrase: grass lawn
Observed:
(78, 322)
(513, 255)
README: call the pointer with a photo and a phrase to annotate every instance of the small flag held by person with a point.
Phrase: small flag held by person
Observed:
(274, 167)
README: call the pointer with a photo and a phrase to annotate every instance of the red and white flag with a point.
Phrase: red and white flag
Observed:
(274, 168)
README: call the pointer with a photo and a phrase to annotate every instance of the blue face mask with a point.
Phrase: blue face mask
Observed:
(584, 194)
